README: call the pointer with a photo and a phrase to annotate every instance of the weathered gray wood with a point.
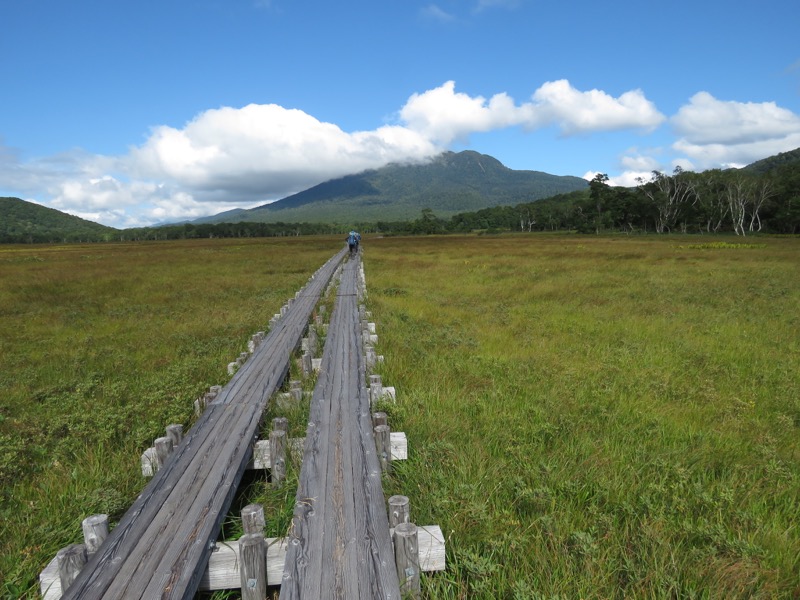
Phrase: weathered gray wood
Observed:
(383, 446)
(277, 455)
(223, 565)
(399, 510)
(95, 532)
(175, 433)
(313, 340)
(253, 520)
(261, 454)
(164, 447)
(149, 462)
(339, 545)
(70, 562)
(253, 569)
(372, 357)
(406, 552)
(375, 388)
(280, 424)
(379, 418)
(162, 545)
(296, 390)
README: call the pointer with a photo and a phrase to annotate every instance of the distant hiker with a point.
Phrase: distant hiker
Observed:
(352, 242)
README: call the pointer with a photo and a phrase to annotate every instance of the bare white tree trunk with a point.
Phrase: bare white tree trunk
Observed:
(763, 192)
(672, 193)
(737, 193)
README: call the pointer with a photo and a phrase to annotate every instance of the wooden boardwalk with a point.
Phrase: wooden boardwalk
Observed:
(161, 546)
(339, 545)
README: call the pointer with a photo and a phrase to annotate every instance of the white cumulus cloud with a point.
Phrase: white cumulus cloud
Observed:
(244, 156)
(444, 115)
(574, 111)
(267, 152)
(726, 133)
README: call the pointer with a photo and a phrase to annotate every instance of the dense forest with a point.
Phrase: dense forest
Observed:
(24, 222)
(761, 198)
(740, 201)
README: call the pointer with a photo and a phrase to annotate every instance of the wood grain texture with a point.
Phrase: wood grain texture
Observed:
(161, 546)
(339, 545)
(224, 564)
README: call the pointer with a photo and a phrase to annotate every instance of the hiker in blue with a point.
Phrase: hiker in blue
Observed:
(352, 242)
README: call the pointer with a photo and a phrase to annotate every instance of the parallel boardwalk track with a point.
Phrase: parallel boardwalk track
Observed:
(339, 545)
(161, 546)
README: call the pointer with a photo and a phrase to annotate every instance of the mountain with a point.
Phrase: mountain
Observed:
(26, 222)
(774, 162)
(449, 184)
(229, 216)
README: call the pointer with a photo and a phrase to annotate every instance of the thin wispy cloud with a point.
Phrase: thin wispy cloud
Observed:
(489, 4)
(433, 12)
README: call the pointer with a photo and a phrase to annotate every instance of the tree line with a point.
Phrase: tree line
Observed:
(187, 231)
(740, 201)
(715, 201)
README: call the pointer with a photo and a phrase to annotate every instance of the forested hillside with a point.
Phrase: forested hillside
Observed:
(24, 222)
(451, 183)
(761, 198)
(765, 199)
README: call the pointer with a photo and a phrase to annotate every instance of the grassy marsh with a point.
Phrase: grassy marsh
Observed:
(102, 346)
(587, 417)
(597, 418)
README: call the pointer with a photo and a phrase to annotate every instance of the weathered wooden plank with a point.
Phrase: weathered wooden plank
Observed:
(309, 529)
(261, 455)
(339, 566)
(161, 546)
(223, 566)
(340, 507)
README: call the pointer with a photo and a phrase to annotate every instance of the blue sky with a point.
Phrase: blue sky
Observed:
(135, 113)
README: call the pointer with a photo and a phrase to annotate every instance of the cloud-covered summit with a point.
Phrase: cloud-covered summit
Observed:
(238, 157)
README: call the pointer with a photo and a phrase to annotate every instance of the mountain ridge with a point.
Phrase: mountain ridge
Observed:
(448, 184)
(27, 222)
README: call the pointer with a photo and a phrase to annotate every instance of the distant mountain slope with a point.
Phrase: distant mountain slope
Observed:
(26, 222)
(774, 162)
(450, 184)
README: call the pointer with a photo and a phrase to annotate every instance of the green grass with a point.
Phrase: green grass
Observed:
(587, 417)
(597, 418)
(102, 346)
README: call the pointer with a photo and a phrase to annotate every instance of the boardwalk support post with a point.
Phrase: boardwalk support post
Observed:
(277, 452)
(296, 389)
(253, 520)
(406, 558)
(95, 531)
(383, 446)
(175, 433)
(164, 448)
(375, 388)
(253, 566)
(70, 562)
(379, 418)
(398, 510)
